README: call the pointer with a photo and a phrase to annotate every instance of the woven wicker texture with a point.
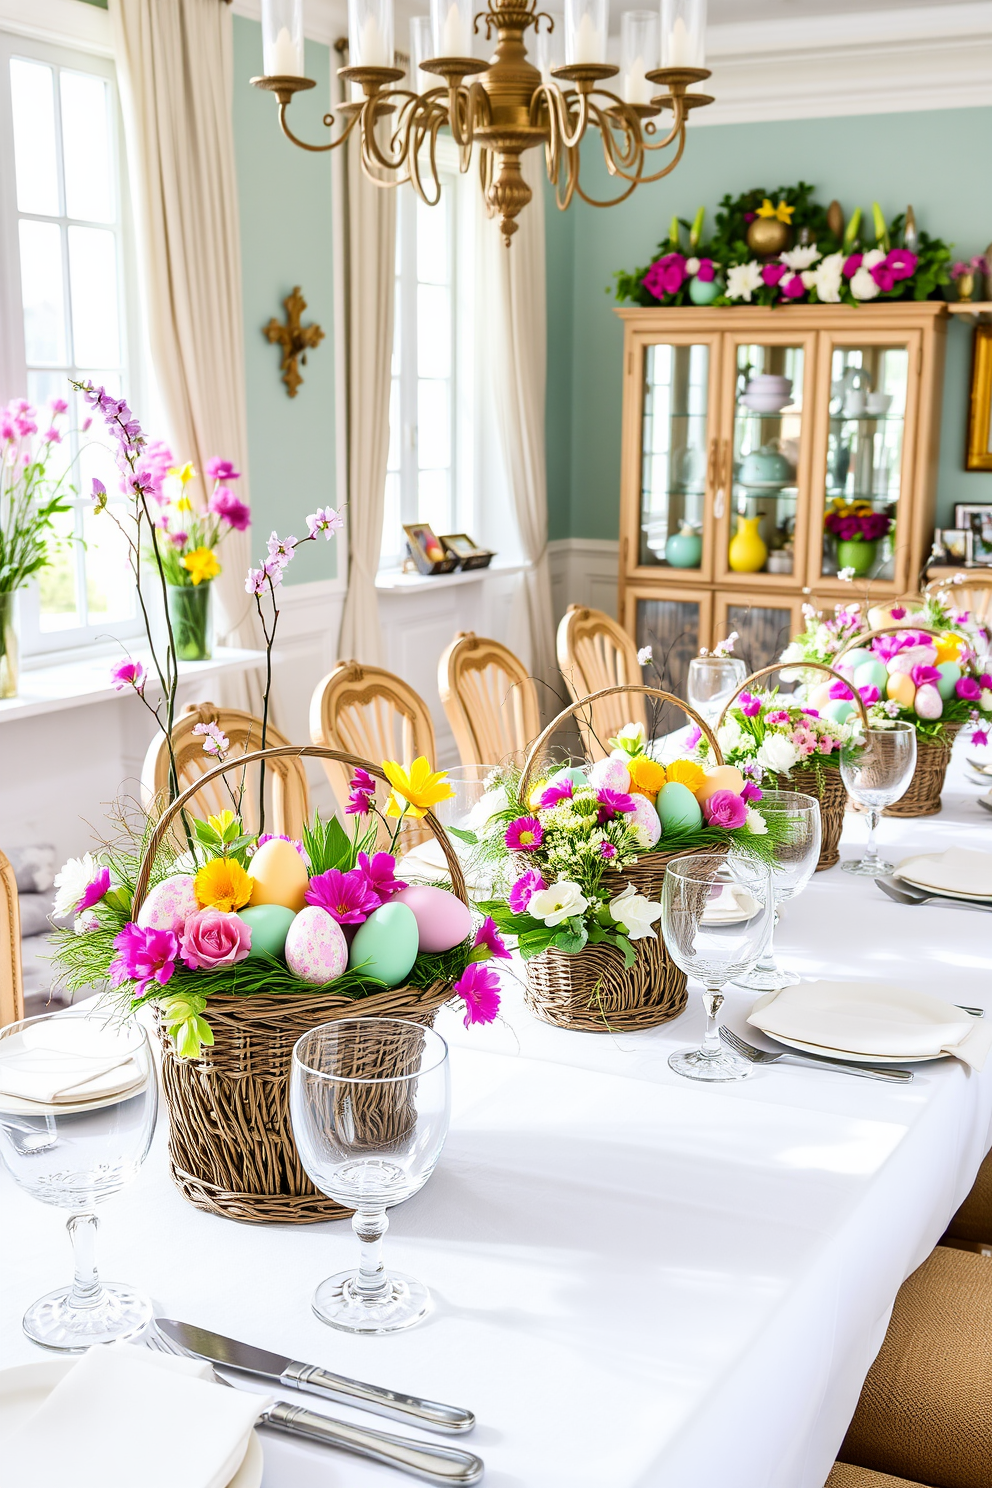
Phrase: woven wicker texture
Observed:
(827, 787)
(844, 1475)
(973, 1220)
(925, 1410)
(231, 1148)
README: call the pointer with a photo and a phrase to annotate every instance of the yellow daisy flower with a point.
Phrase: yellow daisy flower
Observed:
(686, 772)
(646, 776)
(222, 884)
(415, 790)
(201, 564)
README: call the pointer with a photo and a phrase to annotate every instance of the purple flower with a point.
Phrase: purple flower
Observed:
(967, 689)
(527, 884)
(236, 513)
(347, 897)
(178, 539)
(128, 674)
(750, 705)
(665, 276)
(380, 874)
(98, 494)
(921, 675)
(325, 520)
(143, 956)
(980, 737)
(774, 273)
(94, 891)
(488, 943)
(613, 803)
(220, 470)
(362, 797)
(840, 692)
(751, 792)
(693, 737)
(562, 790)
(478, 987)
(524, 835)
(725, 808)
(607, 851)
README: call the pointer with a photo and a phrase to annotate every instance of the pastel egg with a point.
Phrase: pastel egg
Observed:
(646, 818)
(169, 904)
(871, 674)
(316, 950)
(609, 774)
(269, 928)
(385, 947)
(838, 710)
(279, 875)
(901, 689)
(443, 921)
(928, 701)
(721, 777)
(848, 665)
(575, 773)
(678, 808)
(950, 674)
(913, 656)
(820, 695)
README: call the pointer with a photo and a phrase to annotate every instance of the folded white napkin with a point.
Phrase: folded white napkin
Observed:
(124, 1417)
(873, 1018)
(731, 905)
(66, 1061)
(960, 869)
(427, 861)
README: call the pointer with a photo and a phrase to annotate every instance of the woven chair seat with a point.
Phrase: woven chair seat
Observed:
(924, 1412)
(973, 1220)
(844, 1475)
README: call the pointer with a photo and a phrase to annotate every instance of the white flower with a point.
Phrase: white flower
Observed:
(645, 656)
(634, 913)
(635, 733)
(724, 648)
(827, 277)
(755, 822)
(743, 279)
(85, 922)
(808, 276)
(863, 286)
(800, 258)
(777, 753)
(872, 257)
(559, 902)
(486, 806)
(794, 650)
(846, 575)
(72, 883)
(729, 734)
(692, 266)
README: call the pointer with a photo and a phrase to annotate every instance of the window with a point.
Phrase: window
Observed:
(62, 205)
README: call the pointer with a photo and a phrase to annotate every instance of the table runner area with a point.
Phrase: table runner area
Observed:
(639, 1282)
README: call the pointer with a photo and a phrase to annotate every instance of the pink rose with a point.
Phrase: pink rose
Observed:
(211, 938)
(725, 809)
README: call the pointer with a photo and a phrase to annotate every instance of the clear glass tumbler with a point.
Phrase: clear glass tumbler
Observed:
(712, 682)
(877, 767)
(795, 820)
(369, 1101)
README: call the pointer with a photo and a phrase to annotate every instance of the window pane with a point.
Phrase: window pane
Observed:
(57, 580)
(432, 238)
(41, 291)
(433, 419)
(396, 363)
(35, 163)
(393, 458)
(86, 147)
(93, 287)
(433, 331)
(433, 505)
(392, 533)
(44, 386)
(109, 583)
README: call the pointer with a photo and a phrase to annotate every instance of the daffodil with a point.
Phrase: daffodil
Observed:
(182, 473)
(201, 564)
(222, 822)
(222, 884)
(415, 790)
(184, 504)
(783, 212)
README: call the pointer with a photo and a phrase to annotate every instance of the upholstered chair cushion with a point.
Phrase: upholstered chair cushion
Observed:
(845, 1475)
(973, 1220)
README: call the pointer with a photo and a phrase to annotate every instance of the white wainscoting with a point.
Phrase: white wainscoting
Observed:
(584, 571)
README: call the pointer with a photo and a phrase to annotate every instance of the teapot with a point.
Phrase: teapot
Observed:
(765, 466)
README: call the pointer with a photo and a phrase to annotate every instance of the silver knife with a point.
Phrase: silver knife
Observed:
(278, 1369)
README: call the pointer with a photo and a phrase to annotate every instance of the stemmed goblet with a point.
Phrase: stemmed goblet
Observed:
(714, 945)
(877, 766)
(369, 1103)
(712, 682)
(795, 820)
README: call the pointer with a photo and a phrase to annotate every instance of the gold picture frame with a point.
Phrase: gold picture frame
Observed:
(978, 454)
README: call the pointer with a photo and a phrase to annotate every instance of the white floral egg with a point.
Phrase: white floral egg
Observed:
(646, 819)
(905, 661)
(169, 904)
(316, 950)
(928, 702)
(609, 774)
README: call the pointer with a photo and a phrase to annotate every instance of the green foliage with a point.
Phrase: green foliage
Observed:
(329, 846)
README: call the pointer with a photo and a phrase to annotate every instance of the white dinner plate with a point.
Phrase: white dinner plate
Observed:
(850, 1058)
(929, 888)
(24, 1387)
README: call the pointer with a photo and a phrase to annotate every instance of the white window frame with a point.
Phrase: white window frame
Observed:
(44, 646)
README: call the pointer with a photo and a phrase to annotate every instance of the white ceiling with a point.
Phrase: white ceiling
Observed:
(733, 12)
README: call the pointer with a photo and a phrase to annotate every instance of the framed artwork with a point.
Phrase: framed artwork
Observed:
(957, 543)
(977, 520)
(425, 550)
(466, 550)
(978, 454)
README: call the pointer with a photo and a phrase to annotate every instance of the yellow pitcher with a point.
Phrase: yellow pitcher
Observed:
(747, 552)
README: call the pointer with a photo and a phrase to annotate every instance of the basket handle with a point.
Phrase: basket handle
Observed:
(655, 692)
(778, 666)
(284, 751)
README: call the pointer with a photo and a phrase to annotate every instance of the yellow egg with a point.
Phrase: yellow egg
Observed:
(721, 777)
(820, 696)
(279, 875)
(901, 689)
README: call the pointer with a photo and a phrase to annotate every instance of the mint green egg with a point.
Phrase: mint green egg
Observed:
(871, 674)
(950, 674)
(385, 947)
(678, 808)
(838, 710)
(574, 773)
(269, 927)
(850, 662)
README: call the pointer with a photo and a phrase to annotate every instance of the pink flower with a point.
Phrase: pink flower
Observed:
(693, 737)
(98, 493)
(347, 897)
(178, 539)
(665, 276)
(985, 680)
(212, 938)
(852, 265)
(220, 470)
(274, 836)
(901, 263)
(281, 550)
(897, 612)
(869, 694)
(478, 987)
(215, 741)
(979, 737)
(613, 803)
(520, 895)
(967, 689)
(94, 891)
(224, 504)
(794, 288)
(524, 835)
(143, 956)
(52, 436)
(362, 797)
(840, 692)
(488, 943)
(325, 520)
(607, 851)
(921, 675)
(774, 273)
(562, 790)
(706, 271)
(750, 705)
(751, 792)
(58, 405)
(883, 276)
(726, 809)
(380, 874)
(128, 674)
(779, 716)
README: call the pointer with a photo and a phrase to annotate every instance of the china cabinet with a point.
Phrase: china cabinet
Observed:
(764, 452)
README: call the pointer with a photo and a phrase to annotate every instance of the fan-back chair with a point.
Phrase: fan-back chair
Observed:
(974, 594)
(489, 698)
(11, 983)
(595, 652)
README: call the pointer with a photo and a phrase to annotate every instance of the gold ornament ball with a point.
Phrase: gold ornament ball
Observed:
(768, 237)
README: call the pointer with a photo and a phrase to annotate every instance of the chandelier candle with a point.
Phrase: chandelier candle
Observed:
(586, 27)
(282, 38)
(639, 46)
(370, 33)
(420, 50)
(683, 33)
(451, 22)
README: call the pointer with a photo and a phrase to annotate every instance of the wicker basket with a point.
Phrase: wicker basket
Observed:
(231, 1148)
(593, 991)
(825, 784)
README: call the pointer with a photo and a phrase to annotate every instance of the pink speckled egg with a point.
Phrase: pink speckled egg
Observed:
(169, 904)
(443, 921)
(646, 818)
(609, 774)
(316, 950)
(928, 702)
(905, 661)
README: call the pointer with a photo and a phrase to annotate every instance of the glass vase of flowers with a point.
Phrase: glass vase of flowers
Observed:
(857, 530)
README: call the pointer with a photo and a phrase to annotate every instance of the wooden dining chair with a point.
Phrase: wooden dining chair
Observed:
(11, 981)
(288, 805)
(370, 712)
(974, 594)
(489, 698)
(594, 652)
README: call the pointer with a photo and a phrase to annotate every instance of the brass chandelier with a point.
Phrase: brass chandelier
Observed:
(506, 105)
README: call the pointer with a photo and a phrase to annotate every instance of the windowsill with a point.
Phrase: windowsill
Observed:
(394, 580)
(75, 684)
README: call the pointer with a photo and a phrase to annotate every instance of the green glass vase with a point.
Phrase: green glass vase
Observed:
(857, 555)
(190, 618)
(9, 652)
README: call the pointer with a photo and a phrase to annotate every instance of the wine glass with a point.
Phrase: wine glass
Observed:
(795, 820)
(369, 1101)
(714, 921)
(712, 682)
(877, 766)
(74, 1146)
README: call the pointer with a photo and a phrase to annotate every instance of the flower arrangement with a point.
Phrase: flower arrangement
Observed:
(765, 733)
(977, 265)
(856, 521)
(186, 539)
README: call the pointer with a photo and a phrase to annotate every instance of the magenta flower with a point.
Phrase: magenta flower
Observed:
(693, 737)
(751, 792)
(901, 263)
(94, 891)
(520, 895)
(52, 436)
(779, 716)
(897, 612)
(613, 803)
(967, 689)
(794, 288)
(220, 470)
(665, 276)
(58, 405)
(488, 943)
(478, 987)
(325, 520)
(230, 508)
(143, 956)
(750, 705)
(524, 835)
(810, 712)
(840, 692)
(985, 680)
(852, 264)
(128, 674)
(362, 797)
(562, 790)
(774, 273)
(212, 938)
(380, 874)
(347, 897)
(607, 851)
(178, 539)
(706, 271)
(921, 675)
(726, 809)
(883, 276)
(869, 694)
(980, 737)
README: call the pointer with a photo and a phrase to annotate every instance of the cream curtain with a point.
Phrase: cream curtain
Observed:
(174, 68)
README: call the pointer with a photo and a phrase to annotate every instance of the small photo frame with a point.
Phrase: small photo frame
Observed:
(978, 521)
(468, 553)
(426, 551)
(958, 543)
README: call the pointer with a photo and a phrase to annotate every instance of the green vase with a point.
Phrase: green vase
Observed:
(9, 653)
(189, 615)
(857, 555)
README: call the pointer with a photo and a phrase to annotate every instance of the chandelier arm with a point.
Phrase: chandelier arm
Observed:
(592, 202)
(431, 126)
(552, 146)
(619, 160)
(371, 150)
(681, 116)
(666, 169)
(562, 202)
(582, 119)
(328, 122)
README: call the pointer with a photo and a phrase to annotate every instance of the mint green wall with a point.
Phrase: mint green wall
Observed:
(285, 201)
(928, 158)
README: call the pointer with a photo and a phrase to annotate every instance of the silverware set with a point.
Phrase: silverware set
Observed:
(904, 893)
(814, 1061)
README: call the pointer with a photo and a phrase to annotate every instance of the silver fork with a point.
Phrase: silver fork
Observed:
(814, 1061)
(435, 1464)
(908, 894)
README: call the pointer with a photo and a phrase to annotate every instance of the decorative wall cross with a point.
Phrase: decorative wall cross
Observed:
(295, 339)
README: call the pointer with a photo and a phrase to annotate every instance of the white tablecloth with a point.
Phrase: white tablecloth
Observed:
(639, 1282)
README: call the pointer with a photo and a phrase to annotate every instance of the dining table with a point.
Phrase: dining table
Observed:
(638, 1281)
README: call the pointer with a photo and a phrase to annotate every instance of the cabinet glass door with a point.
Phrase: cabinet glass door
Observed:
(673, 625)
(767, 455)
(674, 456)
